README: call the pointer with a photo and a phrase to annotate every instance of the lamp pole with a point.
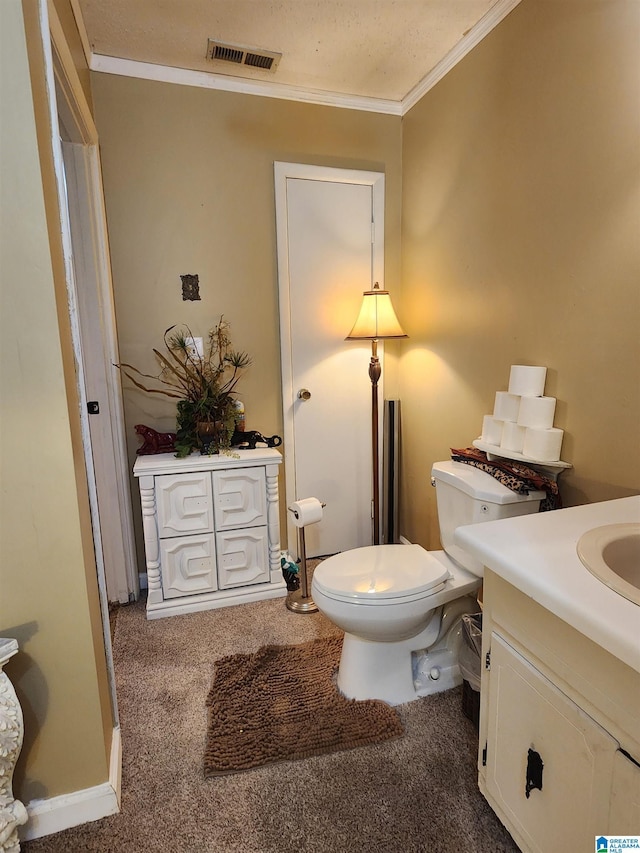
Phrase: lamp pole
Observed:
(374, 375)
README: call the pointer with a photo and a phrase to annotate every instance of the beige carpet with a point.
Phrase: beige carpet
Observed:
(281, 704)
(413, 794)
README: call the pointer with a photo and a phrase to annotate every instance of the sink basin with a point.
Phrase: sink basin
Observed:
(612, 554)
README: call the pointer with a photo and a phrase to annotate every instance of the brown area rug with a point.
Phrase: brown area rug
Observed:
(281, 704)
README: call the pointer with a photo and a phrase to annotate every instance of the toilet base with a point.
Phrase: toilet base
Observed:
(375, 670)
(435, 671)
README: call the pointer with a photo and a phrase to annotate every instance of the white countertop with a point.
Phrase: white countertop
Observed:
(537, 554)
(168, 463)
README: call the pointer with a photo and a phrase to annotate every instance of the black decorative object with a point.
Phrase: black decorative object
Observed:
(251, 438)
(190, 288)
(291, 579)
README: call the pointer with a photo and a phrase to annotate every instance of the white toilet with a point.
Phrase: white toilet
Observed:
(401, 606)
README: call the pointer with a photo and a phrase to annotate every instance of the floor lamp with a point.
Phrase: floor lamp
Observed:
(376, 321)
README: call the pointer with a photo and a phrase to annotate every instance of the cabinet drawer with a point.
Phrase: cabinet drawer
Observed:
(536, 732)
(184, 504)
(243, 557)
(188, 565)
(240, 498)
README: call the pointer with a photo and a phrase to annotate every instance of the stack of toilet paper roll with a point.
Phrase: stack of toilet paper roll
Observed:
(522, 420)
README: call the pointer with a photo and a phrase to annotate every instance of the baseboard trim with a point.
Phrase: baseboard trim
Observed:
(55, 814)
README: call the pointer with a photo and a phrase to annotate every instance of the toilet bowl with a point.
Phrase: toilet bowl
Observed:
(400, 606)
(393, 602)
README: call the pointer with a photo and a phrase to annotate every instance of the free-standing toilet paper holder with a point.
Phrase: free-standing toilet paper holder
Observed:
(300, 601)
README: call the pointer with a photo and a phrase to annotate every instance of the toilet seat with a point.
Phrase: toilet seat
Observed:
(381, 574)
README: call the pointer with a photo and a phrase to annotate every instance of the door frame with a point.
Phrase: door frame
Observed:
(67, 105)
(78, 161)
(282, 173)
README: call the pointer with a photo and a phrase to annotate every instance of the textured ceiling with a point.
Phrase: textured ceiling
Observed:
(378, 49)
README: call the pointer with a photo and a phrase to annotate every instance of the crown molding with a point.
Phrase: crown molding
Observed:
(471, 39)
(206, 80)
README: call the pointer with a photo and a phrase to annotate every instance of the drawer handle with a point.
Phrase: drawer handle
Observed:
(535, 766)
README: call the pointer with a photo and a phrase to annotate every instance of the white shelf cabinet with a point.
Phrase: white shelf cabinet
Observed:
(560, 711)
(211, 530)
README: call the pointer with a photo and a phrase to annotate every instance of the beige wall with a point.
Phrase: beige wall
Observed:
(189, 188)
(521, 216)
(48, 580)
(520, 222)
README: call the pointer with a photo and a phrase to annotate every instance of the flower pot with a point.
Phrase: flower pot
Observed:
(211, 436)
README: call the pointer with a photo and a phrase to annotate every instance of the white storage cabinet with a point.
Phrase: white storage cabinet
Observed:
(559, 756)
(211, 530)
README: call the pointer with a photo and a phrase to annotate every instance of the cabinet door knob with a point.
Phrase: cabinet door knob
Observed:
(534, 772)
(303, 394)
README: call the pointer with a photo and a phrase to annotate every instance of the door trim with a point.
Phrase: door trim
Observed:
(83, 165)
(302, 171)
(66, 103)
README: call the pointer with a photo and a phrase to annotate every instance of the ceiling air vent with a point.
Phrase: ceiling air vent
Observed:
(266, 60)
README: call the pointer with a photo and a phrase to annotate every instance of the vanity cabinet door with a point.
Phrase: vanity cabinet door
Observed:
(240, 498)
(184, 504)
(188, 565)
(549, 765)
(624, 814)
(243, 557)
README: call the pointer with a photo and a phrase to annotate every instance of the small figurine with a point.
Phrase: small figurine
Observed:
(154, 442)
(249, 439)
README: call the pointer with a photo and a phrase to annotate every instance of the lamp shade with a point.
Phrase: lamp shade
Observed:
(376, 319)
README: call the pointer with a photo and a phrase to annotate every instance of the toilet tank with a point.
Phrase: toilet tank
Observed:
(466, 495)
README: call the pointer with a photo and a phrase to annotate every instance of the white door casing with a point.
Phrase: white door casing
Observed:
(330, 237)
(112, 521)
(92, 313)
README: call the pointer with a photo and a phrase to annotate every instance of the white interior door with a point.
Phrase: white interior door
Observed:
(330, 249)
(93, 325)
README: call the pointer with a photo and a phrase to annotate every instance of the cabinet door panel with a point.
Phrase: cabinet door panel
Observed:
(240, 498)
(528, 713)
(624, 815)
(188, 565)
(243, 557)
(184, 504)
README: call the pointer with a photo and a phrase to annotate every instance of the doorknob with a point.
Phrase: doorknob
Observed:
(303, 394)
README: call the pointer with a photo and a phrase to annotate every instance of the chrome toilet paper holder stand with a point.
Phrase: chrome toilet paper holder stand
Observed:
(300, 601)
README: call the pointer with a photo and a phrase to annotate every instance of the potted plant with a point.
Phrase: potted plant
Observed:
(203, 384)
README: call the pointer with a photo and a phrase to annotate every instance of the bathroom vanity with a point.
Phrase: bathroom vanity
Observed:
(211, 530)
(559, 748)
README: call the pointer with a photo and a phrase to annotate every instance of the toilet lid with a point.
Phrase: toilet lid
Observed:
(378, 572)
